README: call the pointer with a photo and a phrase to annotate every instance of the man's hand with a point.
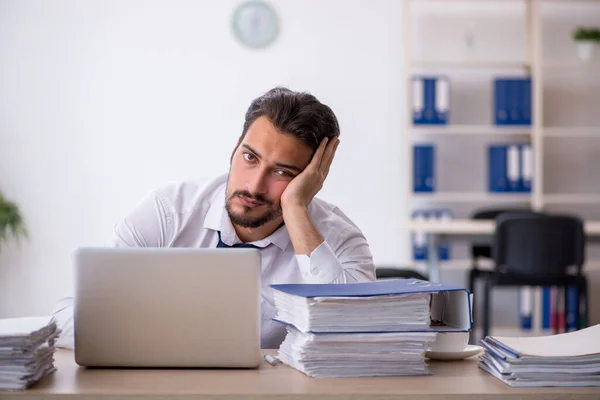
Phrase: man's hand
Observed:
(301, 190)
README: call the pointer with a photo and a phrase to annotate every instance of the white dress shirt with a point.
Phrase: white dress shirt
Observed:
(191, 213)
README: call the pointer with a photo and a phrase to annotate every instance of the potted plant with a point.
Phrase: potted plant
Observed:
(12, 225)
(587, 39)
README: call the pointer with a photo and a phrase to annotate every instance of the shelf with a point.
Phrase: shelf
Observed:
(572, 199)
(566, 132)
(571, 64)
(468, 64)
(471, 130)
(474, 197)
(484, 264)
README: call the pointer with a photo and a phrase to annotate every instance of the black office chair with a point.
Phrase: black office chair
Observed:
(405, 273)
(484, 250)
(537, 250)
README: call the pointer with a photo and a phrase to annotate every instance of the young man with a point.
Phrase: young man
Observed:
(280, 162)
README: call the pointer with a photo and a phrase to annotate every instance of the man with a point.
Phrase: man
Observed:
(280, 162)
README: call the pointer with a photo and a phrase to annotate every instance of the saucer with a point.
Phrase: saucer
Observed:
(469, 351)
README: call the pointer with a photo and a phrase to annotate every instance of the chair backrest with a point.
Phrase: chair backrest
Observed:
(538, 245)
(479, 250)
(396, 272)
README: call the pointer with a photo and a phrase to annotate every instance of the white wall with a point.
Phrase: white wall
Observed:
(101, 101)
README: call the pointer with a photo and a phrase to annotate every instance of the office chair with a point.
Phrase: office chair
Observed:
(484, 250)
(391, 273)
(537, 250)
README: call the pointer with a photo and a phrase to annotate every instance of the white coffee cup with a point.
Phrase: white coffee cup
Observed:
(450, 341)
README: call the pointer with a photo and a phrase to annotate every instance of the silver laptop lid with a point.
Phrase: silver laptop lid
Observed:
(167, 307)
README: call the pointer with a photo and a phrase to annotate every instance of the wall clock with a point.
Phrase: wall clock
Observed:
(255, 24)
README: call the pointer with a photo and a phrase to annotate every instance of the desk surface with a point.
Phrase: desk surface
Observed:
(476, 227)
(450, 380)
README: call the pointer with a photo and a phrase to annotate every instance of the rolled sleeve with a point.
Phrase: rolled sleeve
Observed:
(322, 266)
(351, 261)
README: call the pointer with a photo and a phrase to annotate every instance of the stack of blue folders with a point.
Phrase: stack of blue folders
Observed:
(26, 351)
(568, 359)
(380, 328)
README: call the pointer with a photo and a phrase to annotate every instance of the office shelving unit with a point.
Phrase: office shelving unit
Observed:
(538, 133)
(533, 65)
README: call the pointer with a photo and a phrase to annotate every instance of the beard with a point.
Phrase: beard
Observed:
(244, 218)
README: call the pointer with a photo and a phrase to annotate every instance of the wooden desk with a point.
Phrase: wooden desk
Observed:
(450, 380)
(467, 229)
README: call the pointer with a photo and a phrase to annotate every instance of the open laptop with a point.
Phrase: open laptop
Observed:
(167, 307)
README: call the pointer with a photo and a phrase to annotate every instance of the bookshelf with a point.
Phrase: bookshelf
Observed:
(539, 133)
(546, 133)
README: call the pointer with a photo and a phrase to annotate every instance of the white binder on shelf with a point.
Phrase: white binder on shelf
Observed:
(512, 167)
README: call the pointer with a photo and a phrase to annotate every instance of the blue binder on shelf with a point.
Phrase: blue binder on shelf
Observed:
(443, 246)
(420, 239)
(525, 308)
(547, 307)
(431, 100)
(570, 313)
(525, 168)
(423, 168)
(512, 101)
(498, 168)
(510, 168)
(449, 304)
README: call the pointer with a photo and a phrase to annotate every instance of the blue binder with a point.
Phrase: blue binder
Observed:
(525, 168)
(443, 245)
(431, 100)
(570, 312)
(498, 168)
(419, 239)
(423, 168)
(526, 97)
(512, 101)
(453, 308)
(546, 307)
(500, 105)
(525, 309)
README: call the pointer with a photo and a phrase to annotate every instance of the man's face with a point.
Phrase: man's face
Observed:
(261, 167)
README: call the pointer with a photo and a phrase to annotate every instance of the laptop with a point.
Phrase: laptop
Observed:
(167, 307)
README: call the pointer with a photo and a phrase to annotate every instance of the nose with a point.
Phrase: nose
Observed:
(258, 183)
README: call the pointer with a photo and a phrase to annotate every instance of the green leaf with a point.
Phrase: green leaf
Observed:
(12, 225)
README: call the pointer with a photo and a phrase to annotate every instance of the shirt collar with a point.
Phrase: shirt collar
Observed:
(217, 219)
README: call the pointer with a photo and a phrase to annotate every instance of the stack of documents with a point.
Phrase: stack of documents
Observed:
(379, 328)
(26, 351)
(569, 359)
(332, 355)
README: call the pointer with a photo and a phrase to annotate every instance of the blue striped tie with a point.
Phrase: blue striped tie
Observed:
(221, 244)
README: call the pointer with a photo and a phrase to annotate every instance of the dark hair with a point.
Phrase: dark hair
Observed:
(295, 113)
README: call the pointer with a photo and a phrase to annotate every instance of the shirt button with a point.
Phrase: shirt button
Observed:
(314, 270)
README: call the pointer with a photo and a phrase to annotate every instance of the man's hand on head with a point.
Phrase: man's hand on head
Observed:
(303, 188)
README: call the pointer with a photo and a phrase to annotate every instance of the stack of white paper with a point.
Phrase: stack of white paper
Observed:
(389, 313)
(26, 351)
(356, 354)
(350, 330)
(569, 359)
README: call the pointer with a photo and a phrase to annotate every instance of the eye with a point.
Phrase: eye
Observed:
(284, 174)
(249, 157)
